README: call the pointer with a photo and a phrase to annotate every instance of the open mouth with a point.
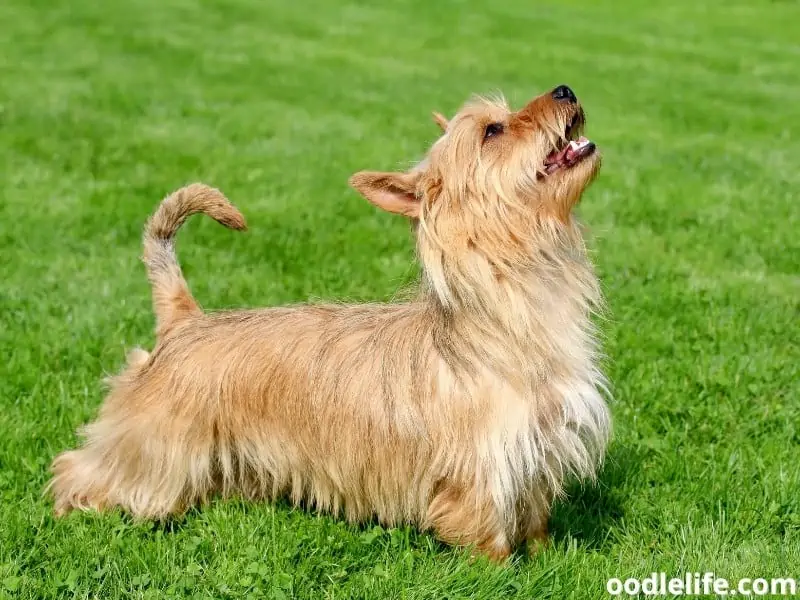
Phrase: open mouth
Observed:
(571, 149)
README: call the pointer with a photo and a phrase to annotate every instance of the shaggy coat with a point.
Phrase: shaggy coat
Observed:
(463, 411)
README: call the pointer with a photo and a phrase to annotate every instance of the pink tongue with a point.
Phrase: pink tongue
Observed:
(572, 151)
(557, 157)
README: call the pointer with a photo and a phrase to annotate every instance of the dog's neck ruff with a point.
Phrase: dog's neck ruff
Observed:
(531, 317)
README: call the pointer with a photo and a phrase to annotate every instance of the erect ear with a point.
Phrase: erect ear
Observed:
(441, 121)
(393, 192)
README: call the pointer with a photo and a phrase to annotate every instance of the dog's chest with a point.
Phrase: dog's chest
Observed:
(554, 430)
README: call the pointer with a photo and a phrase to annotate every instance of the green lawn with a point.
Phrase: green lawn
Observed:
(107, 107)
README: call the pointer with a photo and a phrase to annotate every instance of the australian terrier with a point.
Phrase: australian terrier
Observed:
(463, 411)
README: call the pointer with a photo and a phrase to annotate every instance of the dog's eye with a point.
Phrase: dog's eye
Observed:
(492, 129)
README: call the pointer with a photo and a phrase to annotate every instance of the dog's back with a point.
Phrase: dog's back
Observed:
(266, 403)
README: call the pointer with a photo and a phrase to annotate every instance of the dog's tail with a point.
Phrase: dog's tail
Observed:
(172, 300)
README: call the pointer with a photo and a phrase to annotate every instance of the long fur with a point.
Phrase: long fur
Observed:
(463, 411)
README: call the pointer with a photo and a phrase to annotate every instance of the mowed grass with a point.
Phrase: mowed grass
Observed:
(107, 107)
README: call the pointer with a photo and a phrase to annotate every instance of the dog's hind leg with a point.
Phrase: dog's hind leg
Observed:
(149, 452)
(150, 469)
(75, 484)
(464, 517)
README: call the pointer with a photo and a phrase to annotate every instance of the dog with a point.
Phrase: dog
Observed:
(463, 411)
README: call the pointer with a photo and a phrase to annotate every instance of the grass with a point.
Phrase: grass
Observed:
(106, 107)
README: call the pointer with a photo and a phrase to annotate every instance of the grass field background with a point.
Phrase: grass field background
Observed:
(107, 107)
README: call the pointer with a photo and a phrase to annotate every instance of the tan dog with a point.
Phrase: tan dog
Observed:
(463, 411)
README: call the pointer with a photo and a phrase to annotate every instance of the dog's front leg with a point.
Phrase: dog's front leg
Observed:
(533, 517)
(464, 516)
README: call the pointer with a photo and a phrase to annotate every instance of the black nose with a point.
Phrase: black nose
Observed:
(563, 92)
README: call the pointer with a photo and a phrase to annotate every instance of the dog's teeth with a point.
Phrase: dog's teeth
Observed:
(577, 145)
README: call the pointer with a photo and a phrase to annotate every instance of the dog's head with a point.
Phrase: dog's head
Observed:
(489, 154)
(495, 181)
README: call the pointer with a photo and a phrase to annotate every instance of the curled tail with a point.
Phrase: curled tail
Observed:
(172, 300)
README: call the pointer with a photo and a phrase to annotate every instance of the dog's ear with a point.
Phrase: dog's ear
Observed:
(393, 192)
(441, 121)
